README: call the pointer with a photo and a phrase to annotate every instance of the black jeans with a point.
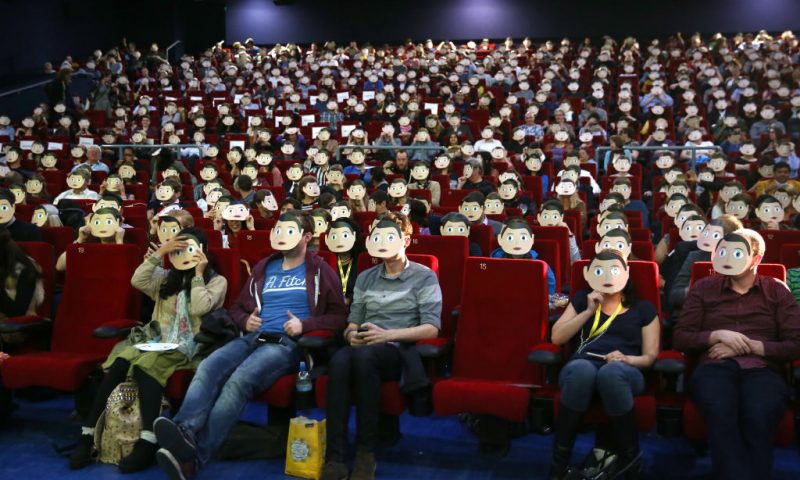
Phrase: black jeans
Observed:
(357, 371)
(742, 409)
(150, 392)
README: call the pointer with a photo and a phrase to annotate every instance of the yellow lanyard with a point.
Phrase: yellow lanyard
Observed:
(344, 276)
(595, 331)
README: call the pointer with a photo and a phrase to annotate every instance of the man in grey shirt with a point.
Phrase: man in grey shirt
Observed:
(397, 302)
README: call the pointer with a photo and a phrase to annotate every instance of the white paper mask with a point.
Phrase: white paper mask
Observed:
(606, 276)
(515, 239)
(340, 239)
(103, 225)
(285, 235)
(187, 258)
(385, 240)
(732, 256)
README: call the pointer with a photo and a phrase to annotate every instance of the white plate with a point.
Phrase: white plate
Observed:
(156, 347)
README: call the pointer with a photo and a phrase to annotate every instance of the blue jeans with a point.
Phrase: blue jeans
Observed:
(616, 382)
(742, 409)
(225, 382)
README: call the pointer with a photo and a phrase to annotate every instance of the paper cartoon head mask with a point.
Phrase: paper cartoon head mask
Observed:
(398, 189)
(168, 228)
(104, 222)
(322, 220)
(287, 232)
(341, 237)
(187, 258)
(616, 239)
(607, 272)
(455, 225)
(385, 240)
(551, 215)
(473, 210)
(236, 211)
(516, 237)
(709, 238)
(340, 211)
(692, 228)
(356, 191)
(7, 209)
(733, 255)
(769, 209)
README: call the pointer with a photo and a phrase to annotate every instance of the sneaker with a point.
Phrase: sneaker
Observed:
(364, 466)
(172, 438)
(599, 464)
(175, 469)
(142, 456)
(334, 471)
(82, 455)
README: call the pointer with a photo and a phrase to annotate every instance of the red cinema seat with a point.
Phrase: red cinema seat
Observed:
(452, 253)
(59, 237)
(693, 424)
(790, 255)
(701, 270)
(227, 263)
(774, 239)
(550, 253)
(251, 245)
(491, 373)
(97, 292)
(483, 236)
(561, 236)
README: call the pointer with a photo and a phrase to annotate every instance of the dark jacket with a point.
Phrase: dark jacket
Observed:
(323, 286)
(23, 231)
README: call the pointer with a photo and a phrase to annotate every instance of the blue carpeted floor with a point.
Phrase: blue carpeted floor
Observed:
(431, 448)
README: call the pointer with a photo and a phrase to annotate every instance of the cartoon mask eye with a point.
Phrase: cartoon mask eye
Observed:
(722, 252)
(598, 272)
(615, 271)
(738, 254)
(290, 231)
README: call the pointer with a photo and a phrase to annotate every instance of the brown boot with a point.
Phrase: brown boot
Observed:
(364, 466)
(334, 471)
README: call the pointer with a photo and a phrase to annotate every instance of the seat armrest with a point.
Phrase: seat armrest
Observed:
(114, 329)
(670, 361)
(545, 354)
(434, 347)
(24, 323)
(317, 339)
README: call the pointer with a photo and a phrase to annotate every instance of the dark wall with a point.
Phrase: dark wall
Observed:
(36, 31)
(307, 21)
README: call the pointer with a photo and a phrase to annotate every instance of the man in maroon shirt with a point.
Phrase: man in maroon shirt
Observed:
(744, 326)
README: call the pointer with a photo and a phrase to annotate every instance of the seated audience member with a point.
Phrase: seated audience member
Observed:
(743, 326)
(21, 278)
(623, 187)
(289, 205)
(344, 239)
(472, 207)
(472, 178)
(552, 215)
(46, 215)
(378, 202)
(782, 173)
(19, 230)
(769, 212)
(608, 360)
(93, 160)
(421, 180)
(78, 183)
(619, 240)
(102, 226)
(183, 294)
(516, 241)
(395, 304)
(264, 201)
(278, 304)
(457, 225)
(714, 231)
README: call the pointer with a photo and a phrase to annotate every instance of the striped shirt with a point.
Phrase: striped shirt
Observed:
(410, 299)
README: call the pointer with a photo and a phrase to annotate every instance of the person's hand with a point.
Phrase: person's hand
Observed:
(102, 189)
(250, 222)
(172, 245)
(151, 250)
(720, 351)
(616, 356)
(461, 181)
(773, 226)
(202, 263)
(253, 321)
(293, 327)
(217, 222)
(119, 235)
(355, 339)
(735, 340)
(593, 301)
(375, 335)
(83, 234)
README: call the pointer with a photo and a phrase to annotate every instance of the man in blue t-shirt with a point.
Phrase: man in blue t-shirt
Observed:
(290, 293)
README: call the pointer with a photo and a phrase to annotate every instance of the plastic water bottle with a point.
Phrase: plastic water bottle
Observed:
(303, 383)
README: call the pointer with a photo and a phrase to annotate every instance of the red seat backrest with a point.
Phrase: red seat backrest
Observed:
(251, 245)
(451, 252)
(452, 198)
(59, 237)
(483, 236)
(226, 262)
(503, 314)
(561, 236)
(701, 270)
(644, 276)
(774, 239)
(97, 290)
(550, 253)
(44, 255)
(790, 255)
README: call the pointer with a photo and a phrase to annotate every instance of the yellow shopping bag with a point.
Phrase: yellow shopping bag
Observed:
(305, 449)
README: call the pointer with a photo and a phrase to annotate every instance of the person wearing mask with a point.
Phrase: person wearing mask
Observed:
(743, 327)
(182, 295)
(395, 304)
(19, 230)
(290, 293)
